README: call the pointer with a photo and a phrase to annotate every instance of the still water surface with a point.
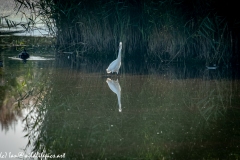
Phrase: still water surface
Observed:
(147, 112)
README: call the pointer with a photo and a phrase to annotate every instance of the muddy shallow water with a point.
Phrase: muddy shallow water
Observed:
(145, 112)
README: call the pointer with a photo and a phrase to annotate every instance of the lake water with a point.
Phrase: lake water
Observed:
(148, 111)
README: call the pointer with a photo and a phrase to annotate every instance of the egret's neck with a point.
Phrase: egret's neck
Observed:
(119, 52)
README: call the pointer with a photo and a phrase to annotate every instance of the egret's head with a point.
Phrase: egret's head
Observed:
(120, 45)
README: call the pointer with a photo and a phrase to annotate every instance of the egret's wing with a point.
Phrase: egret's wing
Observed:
(112, 66)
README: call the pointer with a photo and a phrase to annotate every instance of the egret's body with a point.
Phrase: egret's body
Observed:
(116, 64)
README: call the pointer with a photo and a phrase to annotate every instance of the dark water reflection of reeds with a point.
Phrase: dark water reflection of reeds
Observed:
(165, 114)
(168, 112)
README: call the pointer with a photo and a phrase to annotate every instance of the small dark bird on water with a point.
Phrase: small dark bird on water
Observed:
(24, 55)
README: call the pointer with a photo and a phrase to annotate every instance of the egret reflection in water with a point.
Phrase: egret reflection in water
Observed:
(115, 87)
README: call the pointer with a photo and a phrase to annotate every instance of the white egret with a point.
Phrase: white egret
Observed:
(115, 87)
(115, 65)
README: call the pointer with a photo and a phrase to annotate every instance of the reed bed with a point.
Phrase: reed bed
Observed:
(158, 30)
